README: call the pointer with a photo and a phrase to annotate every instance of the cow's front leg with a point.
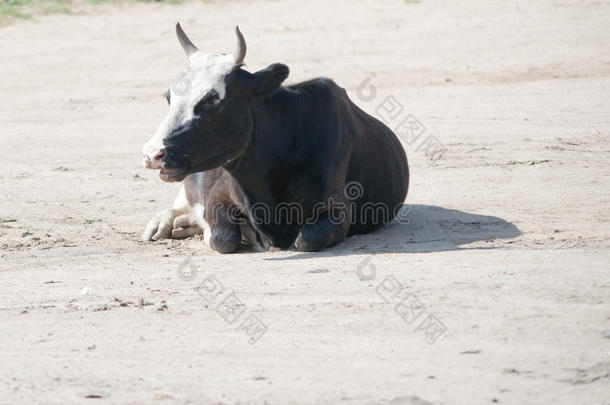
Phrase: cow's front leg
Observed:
(324, 229)
(185, 218)
(225, 231)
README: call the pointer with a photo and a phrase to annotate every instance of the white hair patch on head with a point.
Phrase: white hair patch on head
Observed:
(205, 72)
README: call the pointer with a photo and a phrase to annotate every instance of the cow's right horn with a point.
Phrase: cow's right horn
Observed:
(240, 50)
(186, 43)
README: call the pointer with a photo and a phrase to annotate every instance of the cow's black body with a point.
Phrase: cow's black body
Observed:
(308, 142)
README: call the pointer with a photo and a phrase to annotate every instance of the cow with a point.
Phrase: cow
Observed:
(276, 167)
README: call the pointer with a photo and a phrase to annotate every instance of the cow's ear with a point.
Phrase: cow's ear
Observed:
(269, 79)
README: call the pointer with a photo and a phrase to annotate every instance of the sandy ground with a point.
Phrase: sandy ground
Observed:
(505, 254)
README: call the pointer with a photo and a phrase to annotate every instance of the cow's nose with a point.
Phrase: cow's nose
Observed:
(154, 160)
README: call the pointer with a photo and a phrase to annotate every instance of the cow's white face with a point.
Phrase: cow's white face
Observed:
(203, 80)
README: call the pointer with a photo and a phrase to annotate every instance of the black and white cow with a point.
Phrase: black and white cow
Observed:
(269, 164)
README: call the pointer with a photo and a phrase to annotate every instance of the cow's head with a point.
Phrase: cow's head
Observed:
(209, 122)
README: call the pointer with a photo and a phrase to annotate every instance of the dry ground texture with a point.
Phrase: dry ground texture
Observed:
(506, 246)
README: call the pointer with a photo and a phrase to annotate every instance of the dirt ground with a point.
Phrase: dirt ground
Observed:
(502, 257)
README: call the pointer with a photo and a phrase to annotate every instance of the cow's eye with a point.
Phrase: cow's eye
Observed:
(205, 104)
(167, 96)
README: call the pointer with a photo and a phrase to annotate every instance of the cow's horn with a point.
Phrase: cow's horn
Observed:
(240, 50)
(186, 43)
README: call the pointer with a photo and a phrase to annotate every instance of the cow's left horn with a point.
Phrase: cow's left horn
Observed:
(186, 43)
(240, 50)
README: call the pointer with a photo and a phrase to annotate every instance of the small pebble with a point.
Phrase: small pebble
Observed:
(318, 271)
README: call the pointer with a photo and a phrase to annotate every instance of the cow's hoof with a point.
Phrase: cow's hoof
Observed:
(185, 226)
(166, 225)
(160, 226)
(310, 242)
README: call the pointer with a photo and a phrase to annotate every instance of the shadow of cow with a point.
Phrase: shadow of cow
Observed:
(423, 229)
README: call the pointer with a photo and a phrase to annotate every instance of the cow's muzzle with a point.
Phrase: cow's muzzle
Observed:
(171, 167)
(154, 160)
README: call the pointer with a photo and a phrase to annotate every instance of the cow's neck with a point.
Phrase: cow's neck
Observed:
(271, 135)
